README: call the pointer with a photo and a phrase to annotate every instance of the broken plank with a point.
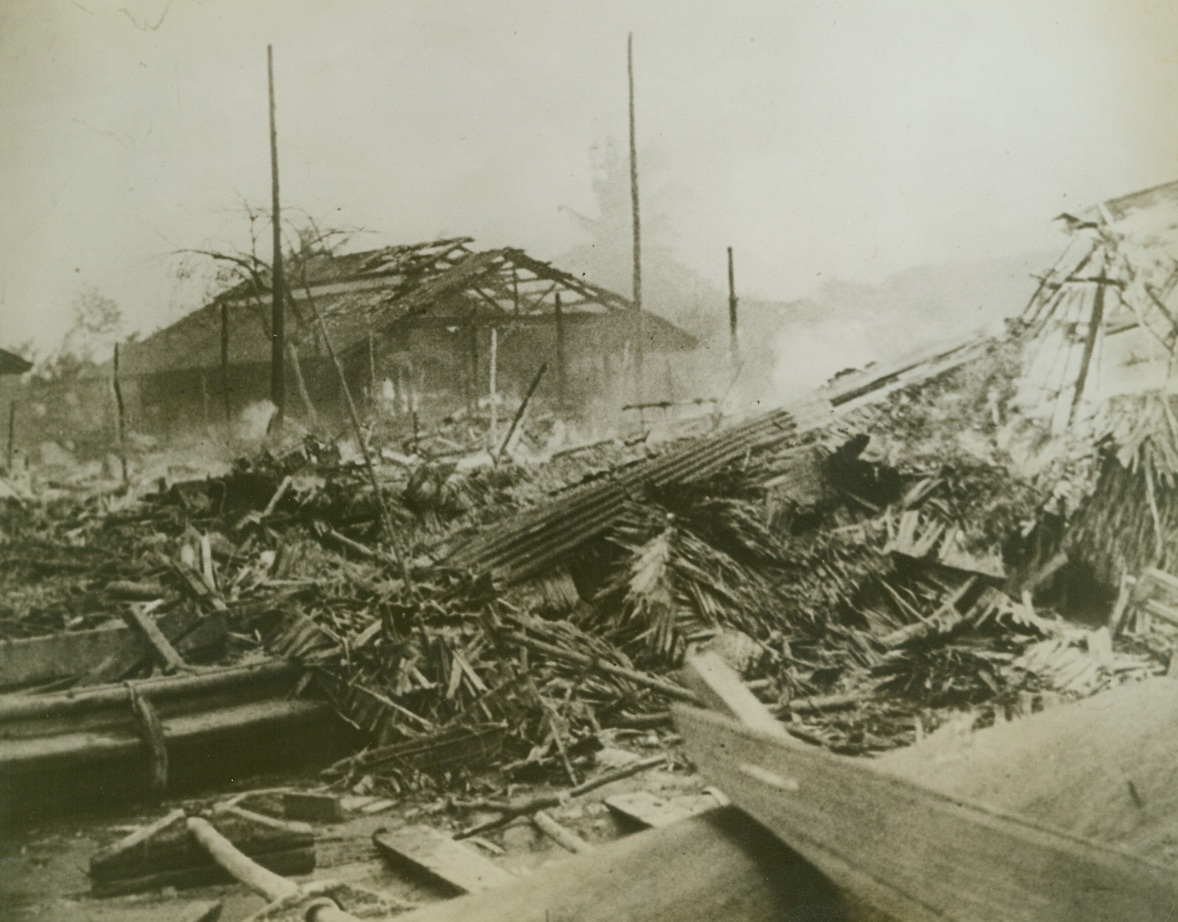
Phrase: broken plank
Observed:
(718, 685)
(161, 649)
(441, 858)
(650, 811)
(922, 855)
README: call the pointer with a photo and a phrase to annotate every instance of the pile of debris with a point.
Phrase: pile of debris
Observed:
(866, 560)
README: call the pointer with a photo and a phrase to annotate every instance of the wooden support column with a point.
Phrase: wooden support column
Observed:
(639, 345)
(473, 368)
(11, 435)
(225, 360)
(561, 367)
(494, 358)
(733, 340)
(121, 415)
(1095, 322)
(277, 285)
(372, 397)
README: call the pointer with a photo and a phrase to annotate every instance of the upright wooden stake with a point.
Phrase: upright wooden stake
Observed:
(561, 370)
(639, 346)
(473, 373)
(225, 360)
(11, 435)
(734, 342)
(277, 314)
(371, 364)
(121, 411)
(1095, 322)
(494, 437)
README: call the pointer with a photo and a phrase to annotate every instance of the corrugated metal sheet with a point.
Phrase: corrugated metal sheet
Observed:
(540, 537)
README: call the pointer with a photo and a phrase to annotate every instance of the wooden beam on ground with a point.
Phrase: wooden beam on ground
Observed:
(440, 858)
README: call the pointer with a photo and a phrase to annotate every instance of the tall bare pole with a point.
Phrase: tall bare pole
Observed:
(734, 342)
(277, 314)
(639, 346)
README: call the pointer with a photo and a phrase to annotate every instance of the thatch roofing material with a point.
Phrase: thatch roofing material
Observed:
(540, 537)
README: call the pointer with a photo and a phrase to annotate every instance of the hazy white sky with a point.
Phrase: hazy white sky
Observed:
(821, 139)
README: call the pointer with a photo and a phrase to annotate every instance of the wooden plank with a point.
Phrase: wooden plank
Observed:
(652, 812)
(162, 650)
(915, 853)
(42, 659)
(441, 858)
(716, 866)
(721, 689)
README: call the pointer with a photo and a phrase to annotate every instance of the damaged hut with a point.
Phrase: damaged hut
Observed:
(417, 329)
(1098, 389)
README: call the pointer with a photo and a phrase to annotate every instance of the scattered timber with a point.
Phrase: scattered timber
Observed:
(91, 748)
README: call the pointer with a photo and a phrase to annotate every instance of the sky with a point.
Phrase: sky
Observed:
(821, 140)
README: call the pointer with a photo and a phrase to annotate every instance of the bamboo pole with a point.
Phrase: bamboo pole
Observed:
(121, 411)
(277, 311)
(637, 226)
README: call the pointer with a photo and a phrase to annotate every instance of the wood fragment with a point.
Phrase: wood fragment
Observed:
(563, 837)
(718, 685)
(444, 860)
(162, 651)
(547, 801)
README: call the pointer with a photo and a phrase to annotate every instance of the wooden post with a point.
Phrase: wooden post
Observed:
(371, 364)
(204, 395)
(1095, 322)
(121, 412)
(561, 370)
(225, 361)
(637, 226)
(11, 435)
(734, 342)
(277, 313)
(519, 414)
(494, 437)
(473, 373)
